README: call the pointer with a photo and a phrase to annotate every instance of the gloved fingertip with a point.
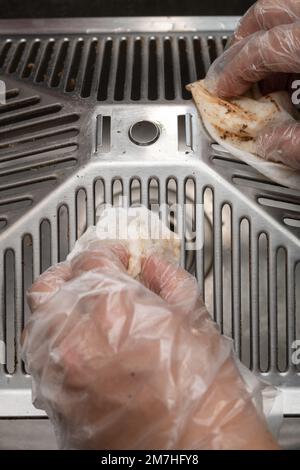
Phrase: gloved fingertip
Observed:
(153, 268)
(47, 284)
(259, 146)
(174, 284)
(279, 143)
(211, 85)
(121, 251)
(219, 86)
(100, 255)
(266, 142)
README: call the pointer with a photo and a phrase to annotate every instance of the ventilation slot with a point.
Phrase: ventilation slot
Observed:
(264, 320)
(199, 254)
(185, 136)
(227, 326)
(26, 185)
(59, 65)
(198, 56)
(296, 348)
(292, 222)
(38, 126)
(224, 41)
(153, 195)
(117, 193)
(24, 175)
(174, 218)
(11, 94)
(39, 165)
(170, 218)
(103, 134)
(30, 63)
(121, 71)
(81, 212)
(281, 320)
(45, 245)
(184, 68)
(135, 193)
(212, 49)
(20, 104)
(17, 57)
(9, 309)
(289, 206)
(231, 163)
(217, 240)
(4, 52)
(254, 182)
(14, 205)
(136, 71)
(72, 77)
(27, 274)
(191, 237)
(27, 115)
(105, 71)
(208, 293)
(41, 75)
(89, 70)
(27, 280)
(168, 70)
(152, 71)
(49, 137)
(245, 293)
(99, 197)
(63, 232)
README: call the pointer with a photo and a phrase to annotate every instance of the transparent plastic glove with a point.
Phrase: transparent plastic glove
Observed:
(265, 14)
(281, 143)
(266, 49)
(255, 58)
(262, 16)
(122, 364)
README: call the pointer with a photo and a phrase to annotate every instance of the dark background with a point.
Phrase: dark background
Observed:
(69, 8)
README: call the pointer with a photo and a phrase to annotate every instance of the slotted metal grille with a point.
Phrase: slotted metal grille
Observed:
(115, 67)
(65, 149)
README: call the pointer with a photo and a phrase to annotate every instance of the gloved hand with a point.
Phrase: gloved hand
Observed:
(118, 364)
(266, 47)
(265, 14)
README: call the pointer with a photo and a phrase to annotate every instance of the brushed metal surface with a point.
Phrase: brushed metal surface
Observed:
(74, 90)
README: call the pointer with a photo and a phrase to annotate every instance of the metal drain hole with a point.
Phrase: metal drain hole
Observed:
(144, 133)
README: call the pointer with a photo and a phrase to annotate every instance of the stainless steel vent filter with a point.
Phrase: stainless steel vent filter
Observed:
(78, 94)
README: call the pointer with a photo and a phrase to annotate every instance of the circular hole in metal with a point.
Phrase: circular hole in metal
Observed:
(144, 133)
